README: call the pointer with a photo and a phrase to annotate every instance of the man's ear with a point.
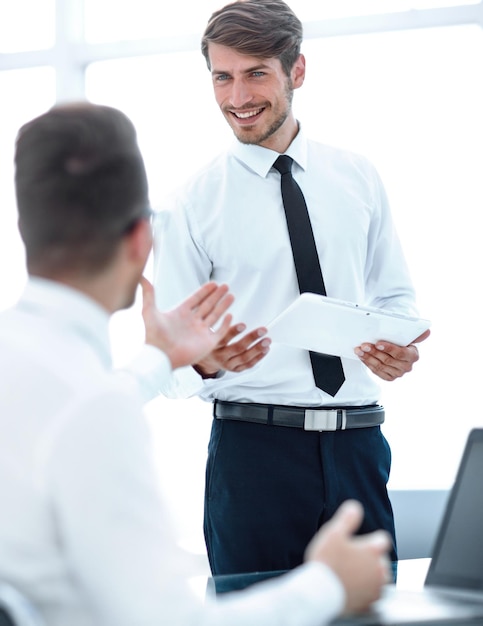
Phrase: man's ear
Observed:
(19, 226)
(298, 72)
(140, 241)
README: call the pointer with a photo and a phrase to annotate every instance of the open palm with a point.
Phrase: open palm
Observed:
(186, 332)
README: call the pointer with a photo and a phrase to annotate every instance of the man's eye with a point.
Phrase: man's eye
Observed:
(222, 77)
(257, 74)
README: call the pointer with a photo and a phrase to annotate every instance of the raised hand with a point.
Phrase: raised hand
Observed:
(186, 332)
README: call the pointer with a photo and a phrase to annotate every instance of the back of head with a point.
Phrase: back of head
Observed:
(260, 28)
(80, 184)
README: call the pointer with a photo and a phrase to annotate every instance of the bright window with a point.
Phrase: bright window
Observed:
(26, 25)
(410, 100)
(169, 99)
(309, 10)
(18, 106)
(111, 20)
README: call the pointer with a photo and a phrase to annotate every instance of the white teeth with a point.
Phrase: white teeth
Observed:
(244, 116)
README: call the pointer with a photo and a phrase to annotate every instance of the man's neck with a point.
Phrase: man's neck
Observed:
(97, 289)
(281, 140)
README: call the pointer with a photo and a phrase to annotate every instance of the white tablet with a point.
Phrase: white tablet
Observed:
(333, 326)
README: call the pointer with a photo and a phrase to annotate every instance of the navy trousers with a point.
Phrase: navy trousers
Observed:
(269, 489)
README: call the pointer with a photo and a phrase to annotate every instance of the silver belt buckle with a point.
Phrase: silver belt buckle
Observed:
(320, 419)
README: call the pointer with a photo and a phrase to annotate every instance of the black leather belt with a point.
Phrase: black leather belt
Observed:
(326, 418)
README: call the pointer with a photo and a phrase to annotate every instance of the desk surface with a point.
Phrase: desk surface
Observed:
(411, 574)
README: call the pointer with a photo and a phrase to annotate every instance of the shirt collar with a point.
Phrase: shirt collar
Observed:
(70, 308)
(260, 159)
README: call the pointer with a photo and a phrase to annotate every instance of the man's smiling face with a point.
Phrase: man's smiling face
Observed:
(255, 96)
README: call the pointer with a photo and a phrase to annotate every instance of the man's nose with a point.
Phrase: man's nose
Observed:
(240, 93)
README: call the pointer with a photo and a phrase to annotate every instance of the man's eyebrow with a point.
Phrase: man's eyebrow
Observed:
(248, 70)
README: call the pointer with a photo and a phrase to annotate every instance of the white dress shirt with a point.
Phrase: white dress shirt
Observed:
(228, 225)
(83, 530)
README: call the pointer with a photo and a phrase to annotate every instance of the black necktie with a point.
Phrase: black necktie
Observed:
(327, 369)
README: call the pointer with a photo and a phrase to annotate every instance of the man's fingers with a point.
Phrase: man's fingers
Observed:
(207, 297)
(232, 332)
(379, 540)
(389, 370)
(422, 337)
(147, 292)
(207, 304)
(200, 295)
(217, 308)
(249, 338)
(222, 332)
(241, 346)
(251, 357)
(348, 517)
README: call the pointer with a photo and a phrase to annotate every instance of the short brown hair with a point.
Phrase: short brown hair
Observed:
(80, 184)
(261, 28)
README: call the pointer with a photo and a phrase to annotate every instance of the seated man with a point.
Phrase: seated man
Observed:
(84, 531)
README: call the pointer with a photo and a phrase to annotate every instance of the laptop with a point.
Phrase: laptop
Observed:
(453, 588)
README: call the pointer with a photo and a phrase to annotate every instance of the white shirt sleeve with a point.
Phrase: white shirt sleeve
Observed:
(116, 533)
(309, 595)
(151, 375)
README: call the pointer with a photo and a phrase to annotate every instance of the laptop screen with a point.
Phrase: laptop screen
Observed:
(458, 554)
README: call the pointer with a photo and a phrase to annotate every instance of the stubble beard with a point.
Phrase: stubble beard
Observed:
(246, 137)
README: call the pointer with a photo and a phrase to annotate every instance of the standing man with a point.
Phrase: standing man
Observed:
(84, 532)
(286, 448)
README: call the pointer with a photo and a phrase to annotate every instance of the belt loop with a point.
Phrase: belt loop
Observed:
(270, 415)
(343, 423)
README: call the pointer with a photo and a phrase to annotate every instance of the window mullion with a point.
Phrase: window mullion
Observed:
(69, 38)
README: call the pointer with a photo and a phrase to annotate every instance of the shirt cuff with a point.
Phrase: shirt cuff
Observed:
(154, 376)
(151, 369)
